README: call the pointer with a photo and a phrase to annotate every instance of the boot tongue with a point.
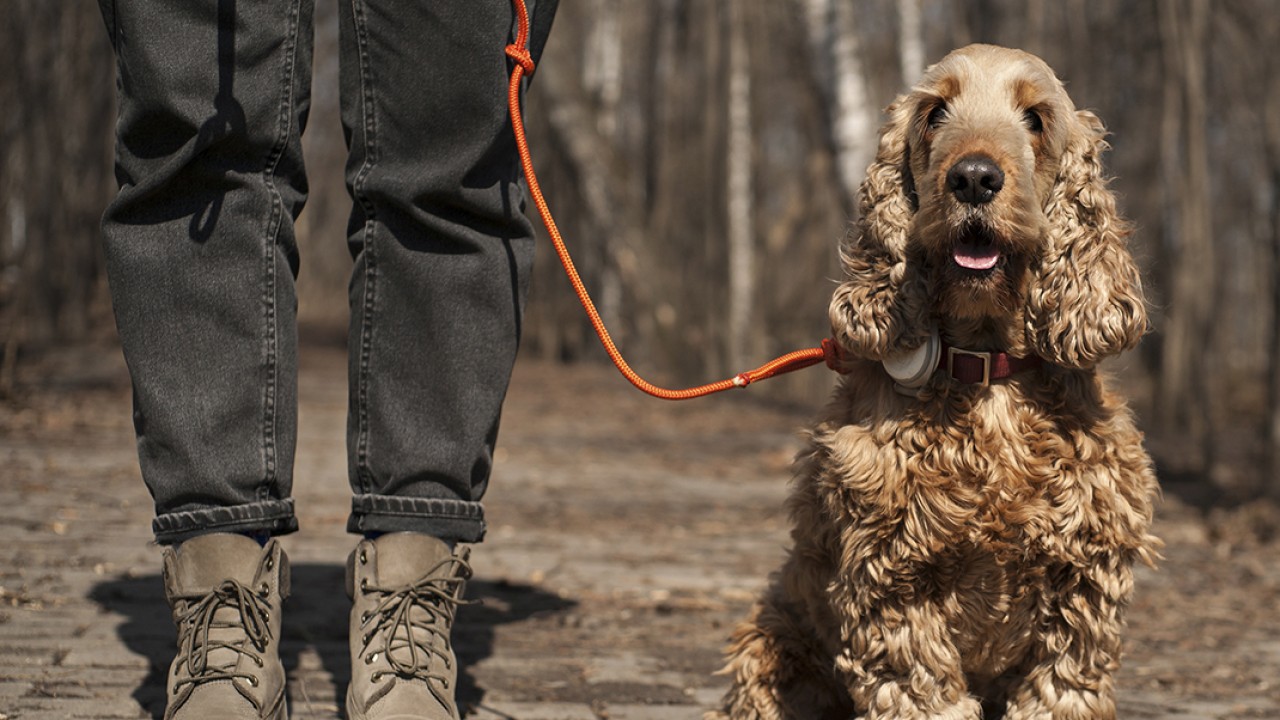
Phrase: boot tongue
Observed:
(204, 562)
(404, 558)
(201, 566)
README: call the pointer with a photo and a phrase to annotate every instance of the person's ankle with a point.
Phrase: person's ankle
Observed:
(375, 534)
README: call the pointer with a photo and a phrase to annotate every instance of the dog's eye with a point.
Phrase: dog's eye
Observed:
(1033, 120)
(937, 115)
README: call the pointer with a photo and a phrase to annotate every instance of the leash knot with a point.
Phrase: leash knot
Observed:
(832, 356)
(521, 57)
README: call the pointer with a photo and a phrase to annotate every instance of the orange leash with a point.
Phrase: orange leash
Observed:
(827, 352)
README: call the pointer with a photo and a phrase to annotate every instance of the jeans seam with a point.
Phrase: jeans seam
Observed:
(369, 120)
(379, 512)
(284, 126)
(368, 505)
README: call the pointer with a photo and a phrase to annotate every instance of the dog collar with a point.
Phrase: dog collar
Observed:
(980, 368)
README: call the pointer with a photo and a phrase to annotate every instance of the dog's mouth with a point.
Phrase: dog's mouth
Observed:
(976, 250)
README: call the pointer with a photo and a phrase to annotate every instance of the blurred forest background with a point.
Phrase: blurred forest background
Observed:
(702, 157)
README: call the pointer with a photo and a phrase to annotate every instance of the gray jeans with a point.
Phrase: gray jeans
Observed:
(201, 253)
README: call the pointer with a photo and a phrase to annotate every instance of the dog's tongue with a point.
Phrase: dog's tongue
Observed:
(972, 256)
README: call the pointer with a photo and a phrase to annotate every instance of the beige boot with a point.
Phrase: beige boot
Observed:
(405, 588)
(225, 591)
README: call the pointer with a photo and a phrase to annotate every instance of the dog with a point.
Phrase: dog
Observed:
(966, 543)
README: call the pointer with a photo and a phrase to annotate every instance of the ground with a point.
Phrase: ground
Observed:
(627, 536)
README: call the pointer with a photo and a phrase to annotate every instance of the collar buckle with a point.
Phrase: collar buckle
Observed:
(985, 357)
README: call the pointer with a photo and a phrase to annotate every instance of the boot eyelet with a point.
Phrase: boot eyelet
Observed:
(364, 559)
(271, 562)
(364, 618)
(253, 680)
(364, 583)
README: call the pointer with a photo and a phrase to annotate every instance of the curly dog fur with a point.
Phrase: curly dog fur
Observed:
(969, 548)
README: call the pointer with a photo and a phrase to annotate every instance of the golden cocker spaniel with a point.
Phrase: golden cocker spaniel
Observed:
(965, 529)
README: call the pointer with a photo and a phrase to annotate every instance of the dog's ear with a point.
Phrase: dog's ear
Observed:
(1085, 302)
(880, 308)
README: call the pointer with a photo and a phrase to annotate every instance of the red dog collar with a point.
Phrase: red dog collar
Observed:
(980, 368)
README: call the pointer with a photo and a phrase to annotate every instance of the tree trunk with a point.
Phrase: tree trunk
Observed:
(1271, 143)
(911, 41)
(739, 206)
(1184, 389)
(1271, 486)
(833, 39)
(55, 176)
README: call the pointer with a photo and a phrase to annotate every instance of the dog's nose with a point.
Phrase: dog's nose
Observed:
(975, 180)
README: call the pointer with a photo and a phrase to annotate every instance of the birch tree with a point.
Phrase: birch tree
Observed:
(740, 203)
(837, 66)
(910, 41)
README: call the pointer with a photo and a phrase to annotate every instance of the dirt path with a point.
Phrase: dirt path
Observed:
(627, 536)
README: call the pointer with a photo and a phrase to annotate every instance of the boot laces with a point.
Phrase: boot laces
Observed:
(199, 622)
(414, 621)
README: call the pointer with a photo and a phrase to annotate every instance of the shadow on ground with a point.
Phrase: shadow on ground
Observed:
(316, 618)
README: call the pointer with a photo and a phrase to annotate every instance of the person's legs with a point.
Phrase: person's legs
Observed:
(443, 252)
(201, 254)
(201, 260)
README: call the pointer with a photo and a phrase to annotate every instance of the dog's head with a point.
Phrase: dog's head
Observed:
(986, 206)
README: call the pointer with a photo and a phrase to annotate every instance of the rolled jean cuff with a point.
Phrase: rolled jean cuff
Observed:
(274, 517)
(444, 518)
